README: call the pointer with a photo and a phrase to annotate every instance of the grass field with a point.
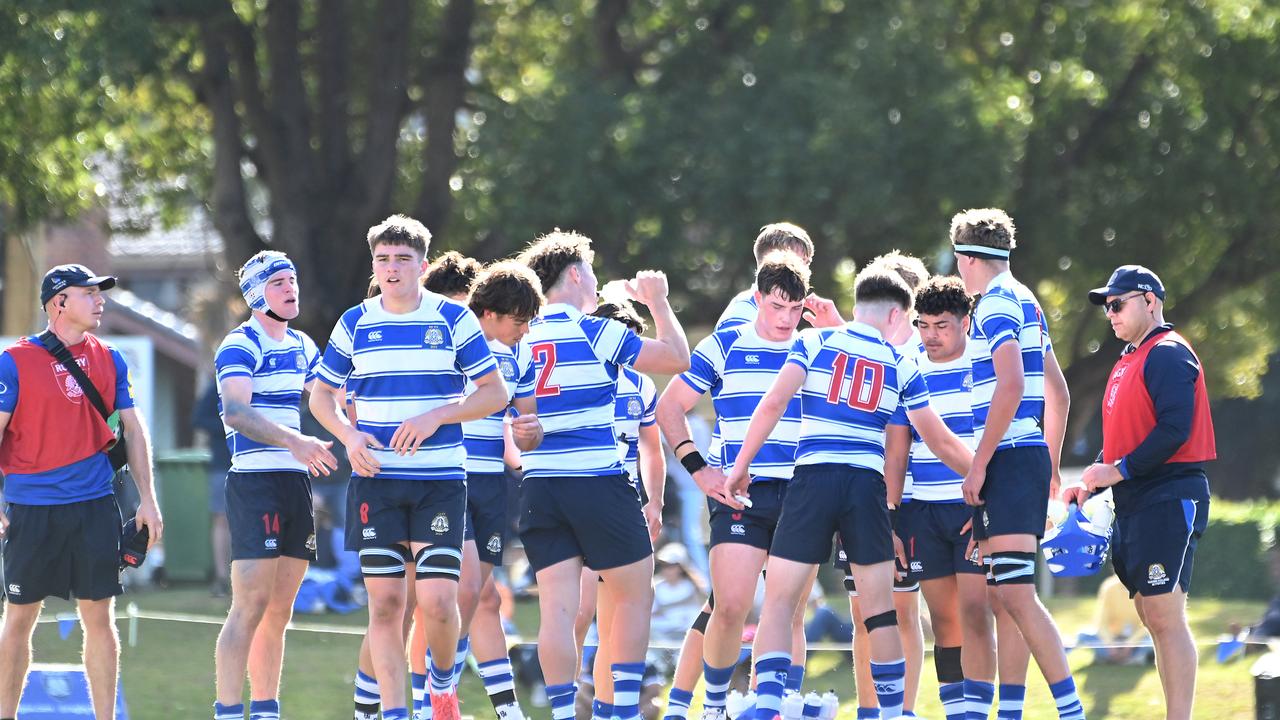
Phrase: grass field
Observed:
(169, 674)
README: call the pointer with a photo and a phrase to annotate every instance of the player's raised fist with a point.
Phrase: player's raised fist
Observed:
(648, 287)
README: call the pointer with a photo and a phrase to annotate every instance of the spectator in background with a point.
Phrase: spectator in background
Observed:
(1118, 636)
(678, 593)
(693, 502)
(204, 417)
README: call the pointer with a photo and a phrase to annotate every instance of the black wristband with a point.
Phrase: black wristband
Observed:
(693, 462)
(893, 519)
(681, 444)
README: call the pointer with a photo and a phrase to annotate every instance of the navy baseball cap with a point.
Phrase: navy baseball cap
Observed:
(61, 277)
(1128, 278)
(133, 544)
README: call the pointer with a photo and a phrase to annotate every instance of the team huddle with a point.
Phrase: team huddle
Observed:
(917, 444)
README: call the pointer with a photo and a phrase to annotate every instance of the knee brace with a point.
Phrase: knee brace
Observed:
(888, 618)
(384, 562)
(435, 561)
(700, 622)
(946, 662)
(1013, 568)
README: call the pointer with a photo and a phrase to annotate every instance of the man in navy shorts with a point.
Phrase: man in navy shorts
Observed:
(1020, 401)
(406, 357)
(1157, 433)
(61, 528)
(263, 367)
(851, 380)
(577, 505)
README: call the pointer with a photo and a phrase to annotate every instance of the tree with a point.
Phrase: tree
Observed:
(1135, 131)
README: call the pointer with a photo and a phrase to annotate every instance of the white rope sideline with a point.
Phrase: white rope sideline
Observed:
(133, 614)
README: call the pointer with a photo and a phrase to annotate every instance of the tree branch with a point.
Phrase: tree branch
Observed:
(289, 106)
(446, 84)
(387, 104)
(617, 61)
(1110, 110)
(333, 117)
(228, 201)
(242, 46)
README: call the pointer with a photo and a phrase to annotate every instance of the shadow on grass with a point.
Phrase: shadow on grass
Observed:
(1104, 683)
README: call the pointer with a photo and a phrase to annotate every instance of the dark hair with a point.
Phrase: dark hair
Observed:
(451, 274)
(550, 255)
(876, 284)
(944, 294)
(622, 311)
(910, 268)
(784, 272)
(507, 288)
(400, 230)
(783, 236)
(985, 227)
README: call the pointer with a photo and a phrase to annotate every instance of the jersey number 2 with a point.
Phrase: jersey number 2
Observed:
(544, 354)
(868, 383)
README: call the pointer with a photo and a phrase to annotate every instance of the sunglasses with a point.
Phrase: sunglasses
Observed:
(1114, 306)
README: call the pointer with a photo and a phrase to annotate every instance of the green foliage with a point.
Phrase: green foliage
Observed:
(1134, 131)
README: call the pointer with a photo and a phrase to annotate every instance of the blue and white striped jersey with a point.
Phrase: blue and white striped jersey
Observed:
(951, 395)
(635, 407)
(1008, 311)
(742, 310)
(398, 366)
(737, 367)
(483, 438)
(913, 348)
(855, 383)
(576, 360)
(279, 371)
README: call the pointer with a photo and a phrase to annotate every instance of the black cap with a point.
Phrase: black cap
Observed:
(1128, 278)
(133, 544)
(64, 276)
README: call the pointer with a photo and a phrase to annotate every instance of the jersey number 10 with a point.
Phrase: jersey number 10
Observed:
(868, 383)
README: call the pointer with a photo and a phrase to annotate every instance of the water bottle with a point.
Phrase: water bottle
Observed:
(1100, 512)
(734, 704)
(830, 706)
(793, 707)
(812, 706)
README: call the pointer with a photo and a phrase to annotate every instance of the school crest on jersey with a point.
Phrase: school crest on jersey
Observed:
(634, 408)
(967, 382)
(434, 337)
(495, 544)
(70, 388)
(299, 361)
(440, 525)
(508, 368)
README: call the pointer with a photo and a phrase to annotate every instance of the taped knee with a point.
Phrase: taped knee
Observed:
(438, 562)
(986, 563)
(946, 662)
(1013, 568)
(384, 562)
(700, 622)
(888, 618)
